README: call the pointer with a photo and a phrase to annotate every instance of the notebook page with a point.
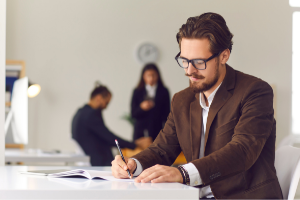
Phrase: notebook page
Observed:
(107, 175)
(76, 172)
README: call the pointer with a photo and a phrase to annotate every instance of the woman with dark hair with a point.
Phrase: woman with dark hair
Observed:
(150, 104)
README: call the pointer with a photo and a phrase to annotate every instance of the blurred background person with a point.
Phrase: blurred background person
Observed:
(90, 132)
(150, 104)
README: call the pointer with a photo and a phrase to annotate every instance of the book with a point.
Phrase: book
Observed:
(89, 174)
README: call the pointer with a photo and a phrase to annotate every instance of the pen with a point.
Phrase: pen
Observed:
(122, 157)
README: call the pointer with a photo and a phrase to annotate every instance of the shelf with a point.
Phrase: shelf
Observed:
(15, 66)
(14, 146)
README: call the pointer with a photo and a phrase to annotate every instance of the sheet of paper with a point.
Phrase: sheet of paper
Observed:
(111, 178)
(107, 175)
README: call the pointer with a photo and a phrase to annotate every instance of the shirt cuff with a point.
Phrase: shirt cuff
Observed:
(194, 175)
(139, 167)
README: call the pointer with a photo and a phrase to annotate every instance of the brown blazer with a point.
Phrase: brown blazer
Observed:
(239, 139)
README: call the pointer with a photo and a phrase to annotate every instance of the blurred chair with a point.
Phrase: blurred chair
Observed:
(79, 151)
(289, 140)
(129, 153)
(288, 170)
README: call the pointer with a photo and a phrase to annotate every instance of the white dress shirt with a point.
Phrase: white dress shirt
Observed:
(151, 90)
(194, 175)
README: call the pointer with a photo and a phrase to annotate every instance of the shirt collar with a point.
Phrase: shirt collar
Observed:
(209, 99)
(151, 88)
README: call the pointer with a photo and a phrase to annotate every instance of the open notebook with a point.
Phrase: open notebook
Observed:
(90, 174)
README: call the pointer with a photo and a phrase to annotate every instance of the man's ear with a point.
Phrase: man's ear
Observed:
(224, 56)
(98, 98)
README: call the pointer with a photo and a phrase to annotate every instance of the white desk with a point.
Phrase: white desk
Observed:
(14, 185)
(16, 155)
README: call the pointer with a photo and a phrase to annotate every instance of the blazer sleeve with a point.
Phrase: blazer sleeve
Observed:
(250, 135)
(97, 126)
(136, 110)
(165, 148)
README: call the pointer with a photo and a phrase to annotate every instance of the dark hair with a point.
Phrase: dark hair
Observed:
(100, 89)
(208, 25)
(149, 66)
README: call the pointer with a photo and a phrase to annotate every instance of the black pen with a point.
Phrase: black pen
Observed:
(122, 157)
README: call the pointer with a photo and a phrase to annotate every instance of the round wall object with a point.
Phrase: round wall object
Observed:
(147, 53)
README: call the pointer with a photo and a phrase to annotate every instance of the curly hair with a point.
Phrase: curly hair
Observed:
(208, 25)
(100, 89)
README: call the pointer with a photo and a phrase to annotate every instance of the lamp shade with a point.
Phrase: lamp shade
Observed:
(33, 90)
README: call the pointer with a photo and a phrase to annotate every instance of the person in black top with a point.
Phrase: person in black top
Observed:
(150, 104)
(90, 132)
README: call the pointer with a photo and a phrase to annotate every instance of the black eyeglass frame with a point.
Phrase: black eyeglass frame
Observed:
(192, 61)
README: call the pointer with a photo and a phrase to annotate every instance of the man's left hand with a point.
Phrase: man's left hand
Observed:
(160, 174)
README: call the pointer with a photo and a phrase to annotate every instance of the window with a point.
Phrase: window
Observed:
(296, 68)
(295, 3)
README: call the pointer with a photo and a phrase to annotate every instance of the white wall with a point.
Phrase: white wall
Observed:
(69, 44)
(2, 74)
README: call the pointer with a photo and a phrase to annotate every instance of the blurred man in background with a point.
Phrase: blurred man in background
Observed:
(90, 132)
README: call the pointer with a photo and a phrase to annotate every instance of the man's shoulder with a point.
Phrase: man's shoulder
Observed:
(86, 112)
(81, 117)
(184, 96)
(241, 76)
(246, 81)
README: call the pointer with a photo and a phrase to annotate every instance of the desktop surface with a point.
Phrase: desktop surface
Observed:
(23, 155)
(14, 185)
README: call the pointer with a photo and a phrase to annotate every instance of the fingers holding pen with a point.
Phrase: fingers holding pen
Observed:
(119, 168)
(131, 164)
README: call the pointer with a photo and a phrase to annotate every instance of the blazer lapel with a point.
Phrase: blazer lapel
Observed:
(143, 94)
(220, 99)
(157, 94)
(195, 126)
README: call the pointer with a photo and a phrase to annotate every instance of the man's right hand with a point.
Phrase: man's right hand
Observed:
(119, 167)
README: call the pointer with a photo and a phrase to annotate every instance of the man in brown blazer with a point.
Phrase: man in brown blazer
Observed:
(224, 123)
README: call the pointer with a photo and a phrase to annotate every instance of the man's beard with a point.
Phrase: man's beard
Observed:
(206, 85)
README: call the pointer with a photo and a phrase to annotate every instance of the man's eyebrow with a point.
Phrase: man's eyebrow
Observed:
(192, 59)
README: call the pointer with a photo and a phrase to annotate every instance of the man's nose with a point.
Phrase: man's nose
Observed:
(191, 69)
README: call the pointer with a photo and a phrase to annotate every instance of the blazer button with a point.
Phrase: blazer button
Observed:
(196, 182)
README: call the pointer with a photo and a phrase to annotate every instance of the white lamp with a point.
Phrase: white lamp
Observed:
(33, 90)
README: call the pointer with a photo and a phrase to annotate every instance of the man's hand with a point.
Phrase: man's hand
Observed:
(143, 142)
(119, 167)
(160, 174)
(147, 105)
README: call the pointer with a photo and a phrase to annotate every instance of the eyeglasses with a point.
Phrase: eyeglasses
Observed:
(199, 64)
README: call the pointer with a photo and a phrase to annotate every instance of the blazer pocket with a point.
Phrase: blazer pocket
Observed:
(259, 186)
(227, 126)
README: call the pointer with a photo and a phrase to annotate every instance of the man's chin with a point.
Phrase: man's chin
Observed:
(199, 89)
(196, 89)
